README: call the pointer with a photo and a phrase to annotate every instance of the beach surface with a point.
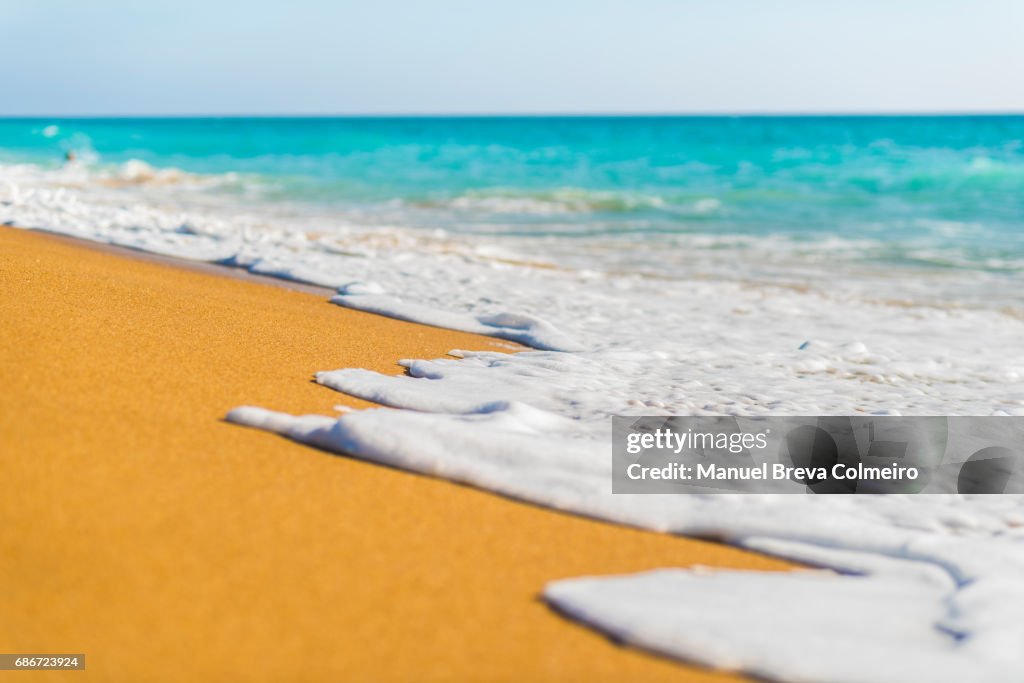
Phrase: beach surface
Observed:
(141, 529)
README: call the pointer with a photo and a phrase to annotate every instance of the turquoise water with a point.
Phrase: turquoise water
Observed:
(951, 184)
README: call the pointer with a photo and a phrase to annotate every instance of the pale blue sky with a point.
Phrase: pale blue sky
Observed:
(511, 56)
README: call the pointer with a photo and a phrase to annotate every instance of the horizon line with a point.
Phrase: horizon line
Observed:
(537, 114)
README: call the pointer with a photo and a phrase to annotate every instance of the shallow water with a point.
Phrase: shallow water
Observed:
(665, 195)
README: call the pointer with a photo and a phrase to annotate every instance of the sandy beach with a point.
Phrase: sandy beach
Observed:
(167, 545)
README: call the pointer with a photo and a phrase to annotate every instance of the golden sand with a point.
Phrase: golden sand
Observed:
(139, 528)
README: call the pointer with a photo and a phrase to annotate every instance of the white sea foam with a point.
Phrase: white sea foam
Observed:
(795, 627)
(558, 202)
(936, 592)
(939, 575)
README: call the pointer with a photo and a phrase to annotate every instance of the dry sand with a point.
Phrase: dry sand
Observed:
(139, 528)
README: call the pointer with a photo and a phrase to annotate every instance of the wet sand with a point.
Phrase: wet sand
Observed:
(167, 545)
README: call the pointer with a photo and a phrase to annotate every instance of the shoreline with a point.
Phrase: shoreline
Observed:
(141, 526)
(205, 267)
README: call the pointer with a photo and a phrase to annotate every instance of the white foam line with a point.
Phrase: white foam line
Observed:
(911, 611)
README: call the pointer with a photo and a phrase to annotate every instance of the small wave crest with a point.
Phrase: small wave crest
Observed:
(85, 169)
(139, 172)
(564, 201)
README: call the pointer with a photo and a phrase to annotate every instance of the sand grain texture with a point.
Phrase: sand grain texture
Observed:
(139, 528)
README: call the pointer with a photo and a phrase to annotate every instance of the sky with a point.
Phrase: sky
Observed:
(132, 57)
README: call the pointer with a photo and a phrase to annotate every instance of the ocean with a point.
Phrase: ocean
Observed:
(785, 194)
(740, 266)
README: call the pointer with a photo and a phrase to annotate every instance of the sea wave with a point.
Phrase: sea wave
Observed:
(89, 172)
(572, 232)
(555, 202)
(501, 203)
(138, 172)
